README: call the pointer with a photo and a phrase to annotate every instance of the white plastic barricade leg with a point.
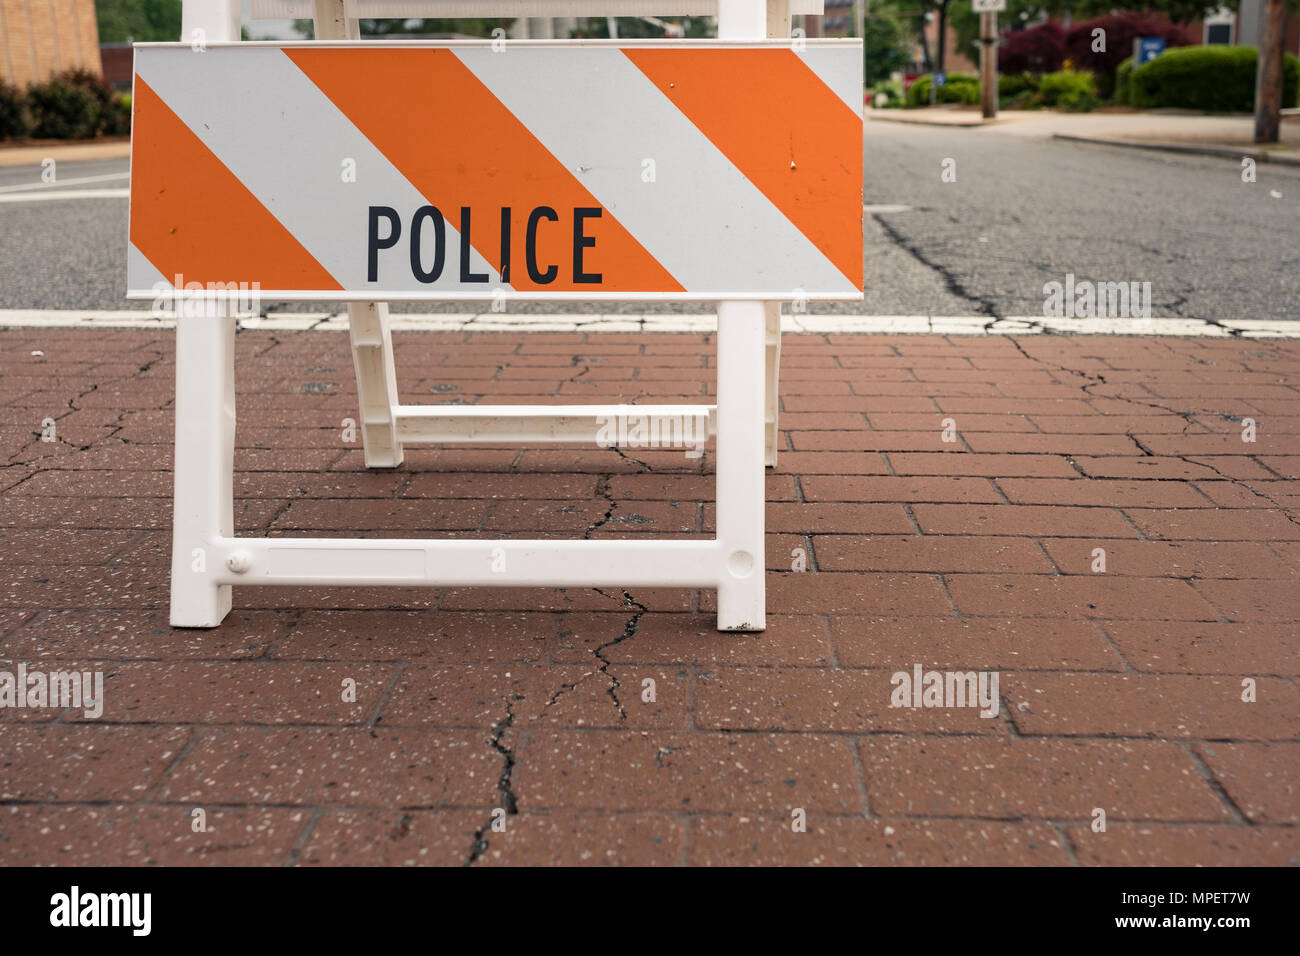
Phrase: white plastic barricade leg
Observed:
(203, 508)
(778, 25)
(740, 479)
(372, 342)
(208, 559)
(772, 391)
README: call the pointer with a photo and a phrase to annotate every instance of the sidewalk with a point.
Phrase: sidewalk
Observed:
(1181, 132)
(69, 151)
(1120, 690)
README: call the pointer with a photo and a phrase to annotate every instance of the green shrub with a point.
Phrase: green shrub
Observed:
(1123, 74)
(893, 92)
(62, 110)
(14, 121)
(1068, 90)
(1013, 84)
(76, 105)
(1216, 79)
(960, 88)
(1024, 100)
(120, 125)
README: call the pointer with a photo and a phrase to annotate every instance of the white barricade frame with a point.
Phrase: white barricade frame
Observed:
(207, 558)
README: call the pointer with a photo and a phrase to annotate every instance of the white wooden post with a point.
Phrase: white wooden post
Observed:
(217, 19)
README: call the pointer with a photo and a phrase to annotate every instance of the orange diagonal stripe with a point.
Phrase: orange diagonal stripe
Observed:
(191, 216)
(459, 146)
(783, 128)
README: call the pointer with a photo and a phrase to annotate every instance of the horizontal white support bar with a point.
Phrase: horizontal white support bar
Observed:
(380, 9)
(463, 562)
(637, 426)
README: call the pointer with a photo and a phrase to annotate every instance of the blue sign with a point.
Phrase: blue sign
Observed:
(941, 78)
(1147, 49)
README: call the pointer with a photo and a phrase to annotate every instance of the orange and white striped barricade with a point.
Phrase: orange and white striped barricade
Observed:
(726, 170)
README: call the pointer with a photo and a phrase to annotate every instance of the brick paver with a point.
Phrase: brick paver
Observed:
(1080, 516)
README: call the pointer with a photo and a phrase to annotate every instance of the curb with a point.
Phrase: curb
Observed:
(1225, 152)
(66, 152)
(927, 122)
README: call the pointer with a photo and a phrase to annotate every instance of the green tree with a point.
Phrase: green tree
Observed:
(886, 47)
(141, 21)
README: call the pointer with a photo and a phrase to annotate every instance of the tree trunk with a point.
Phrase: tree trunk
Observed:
(925, 44)
(1268, 77)
(988, 65)
(943, 31)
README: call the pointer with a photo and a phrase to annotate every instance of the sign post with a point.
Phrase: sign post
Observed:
(728, 171)
(988, 11)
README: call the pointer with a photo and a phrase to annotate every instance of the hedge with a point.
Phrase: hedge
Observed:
(959, 88)
(1216, 79)
(1013, 84)
(14, 119)
(73, 105)
(1120, 31)
(1069, 90)
(1123, 76)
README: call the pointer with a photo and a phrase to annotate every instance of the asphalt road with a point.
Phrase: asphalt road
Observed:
(1021, 212)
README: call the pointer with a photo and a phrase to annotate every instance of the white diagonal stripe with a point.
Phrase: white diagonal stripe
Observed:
(701, 218)
(263, 118)
(142, 275)
(842, 74)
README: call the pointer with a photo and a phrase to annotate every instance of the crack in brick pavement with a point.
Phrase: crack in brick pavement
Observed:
(602, 489)
(511, 804)
(636, 461)
(16, 461)
(629, 631)
(1096, 378)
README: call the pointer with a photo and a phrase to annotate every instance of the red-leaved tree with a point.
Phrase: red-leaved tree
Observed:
(1040, 49)
(1120, 31)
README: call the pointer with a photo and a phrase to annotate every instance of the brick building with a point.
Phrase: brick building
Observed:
(39, 38)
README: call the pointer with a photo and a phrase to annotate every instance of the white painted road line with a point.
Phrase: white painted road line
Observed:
(79, 181)
(707, 322)
(67, 194)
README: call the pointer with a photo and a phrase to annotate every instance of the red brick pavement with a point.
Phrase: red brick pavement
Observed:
(1120, 690)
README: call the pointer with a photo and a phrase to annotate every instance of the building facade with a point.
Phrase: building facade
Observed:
(39, 38)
